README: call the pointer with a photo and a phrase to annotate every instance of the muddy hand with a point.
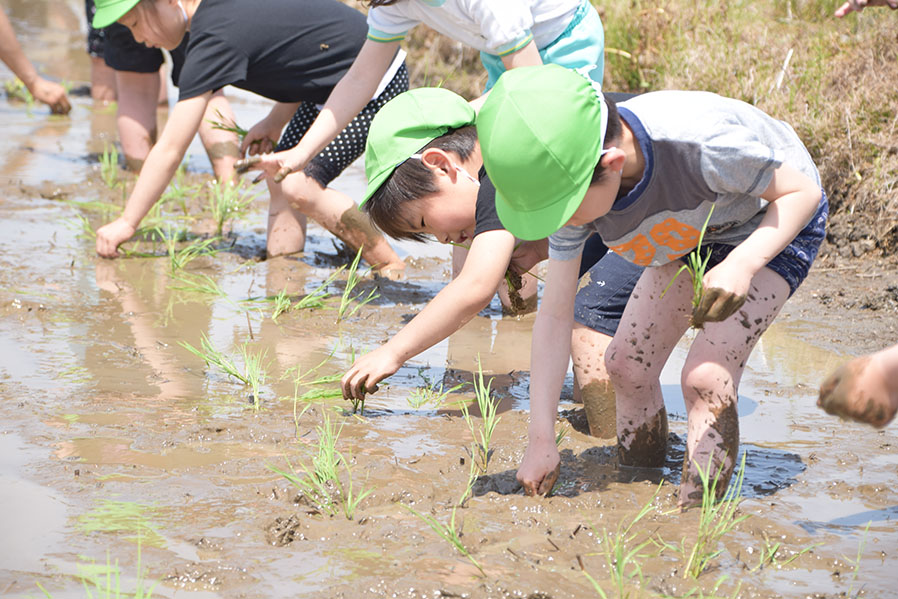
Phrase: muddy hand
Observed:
(717, 305)
(842, 394)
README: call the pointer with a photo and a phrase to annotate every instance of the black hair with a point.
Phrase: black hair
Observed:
(613, 130)
(412, 180)
(373, 3)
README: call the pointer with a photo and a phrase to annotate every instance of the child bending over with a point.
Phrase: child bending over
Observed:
(426, 177)
(566, 163)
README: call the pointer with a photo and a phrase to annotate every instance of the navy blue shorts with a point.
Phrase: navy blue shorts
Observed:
(606, 282)
(350, 143)
(794, 262)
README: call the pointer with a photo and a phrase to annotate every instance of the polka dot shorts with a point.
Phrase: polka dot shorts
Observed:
(350, 144)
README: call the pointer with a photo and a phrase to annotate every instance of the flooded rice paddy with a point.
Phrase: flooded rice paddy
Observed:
(121, 446)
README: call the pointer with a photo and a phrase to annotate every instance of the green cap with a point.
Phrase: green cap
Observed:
(406, 124)
(110, 11)
(541, 132)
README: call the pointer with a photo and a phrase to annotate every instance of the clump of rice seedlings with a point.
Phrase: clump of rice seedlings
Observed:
(622, 554)
(83, 227)
(126, 517)
(253, 372)
(179, 258)
(489, 418)
(178, 191)
(430, 394)
(696, 266)
(225, 124)
(310, 301)
(282, 304)
(197, 283)
(562, 435)
(452, 532)
(352, 280)
(717, 518)
(320, 480)
(228, 201)
(109, 165)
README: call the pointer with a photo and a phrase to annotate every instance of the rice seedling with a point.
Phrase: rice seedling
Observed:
(320, 481)
(767, 555)
(126, 517)
(282, 304)
(488, 419)
(430, 394)
(105, 580)
(228, 201)
(352, 280)
(562, 435)
(178, 191)
(109, 166)
(856, 562)
(696, 266)
(452, 532)
(225, 124)
(717, 518)
(699, 593)
(253, 373)
(17, 90)
(622, 554)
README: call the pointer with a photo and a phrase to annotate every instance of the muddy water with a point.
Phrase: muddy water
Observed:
(115, 436)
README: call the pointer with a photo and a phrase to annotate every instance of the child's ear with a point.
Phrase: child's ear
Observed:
(436, 159)
(614, 159)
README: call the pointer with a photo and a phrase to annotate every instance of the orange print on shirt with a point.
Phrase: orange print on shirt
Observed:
(669, 233)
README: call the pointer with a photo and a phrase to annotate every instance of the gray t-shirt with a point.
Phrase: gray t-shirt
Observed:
(700, 150)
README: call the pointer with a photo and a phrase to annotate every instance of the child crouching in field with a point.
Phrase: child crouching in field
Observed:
(565, 163)
(426, 177)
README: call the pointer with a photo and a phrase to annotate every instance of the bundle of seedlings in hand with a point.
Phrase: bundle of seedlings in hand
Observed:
(488, 419)
(696, 265)
(17, 91)
(225, 124)
(252, 375)
(352, 280)
(228, 201)
(622, 555)
(452, 533)
(716, 519)
(321, 482)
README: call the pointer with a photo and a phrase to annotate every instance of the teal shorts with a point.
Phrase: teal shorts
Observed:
(582, 44)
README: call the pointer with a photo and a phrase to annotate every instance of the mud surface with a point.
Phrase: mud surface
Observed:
(116, 436)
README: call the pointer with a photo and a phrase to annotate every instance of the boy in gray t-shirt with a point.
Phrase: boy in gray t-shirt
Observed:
(647, 178)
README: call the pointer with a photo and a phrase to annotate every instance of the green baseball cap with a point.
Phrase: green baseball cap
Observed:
(541, 132)
(110, 11)
(406, 124)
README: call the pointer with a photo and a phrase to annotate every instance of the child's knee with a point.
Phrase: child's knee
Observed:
(709, 382)
(624, 368)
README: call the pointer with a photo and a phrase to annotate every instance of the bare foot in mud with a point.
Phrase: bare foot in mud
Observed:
(865, 389)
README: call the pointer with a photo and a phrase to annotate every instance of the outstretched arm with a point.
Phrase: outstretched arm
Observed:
(549, 355)
(528, 56)
(455, 305)
(51, 94)
(347, 99)
(156, 173)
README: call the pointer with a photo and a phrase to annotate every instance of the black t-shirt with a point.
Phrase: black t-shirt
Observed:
(285, 50)
(485, 214)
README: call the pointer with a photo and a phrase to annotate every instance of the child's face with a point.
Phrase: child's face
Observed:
(157, 23)
(600, 196)
(448, 214)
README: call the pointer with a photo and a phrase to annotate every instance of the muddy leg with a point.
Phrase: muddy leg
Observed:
(591, 379)
(710, 382)
(649, 330)
(865, 389)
